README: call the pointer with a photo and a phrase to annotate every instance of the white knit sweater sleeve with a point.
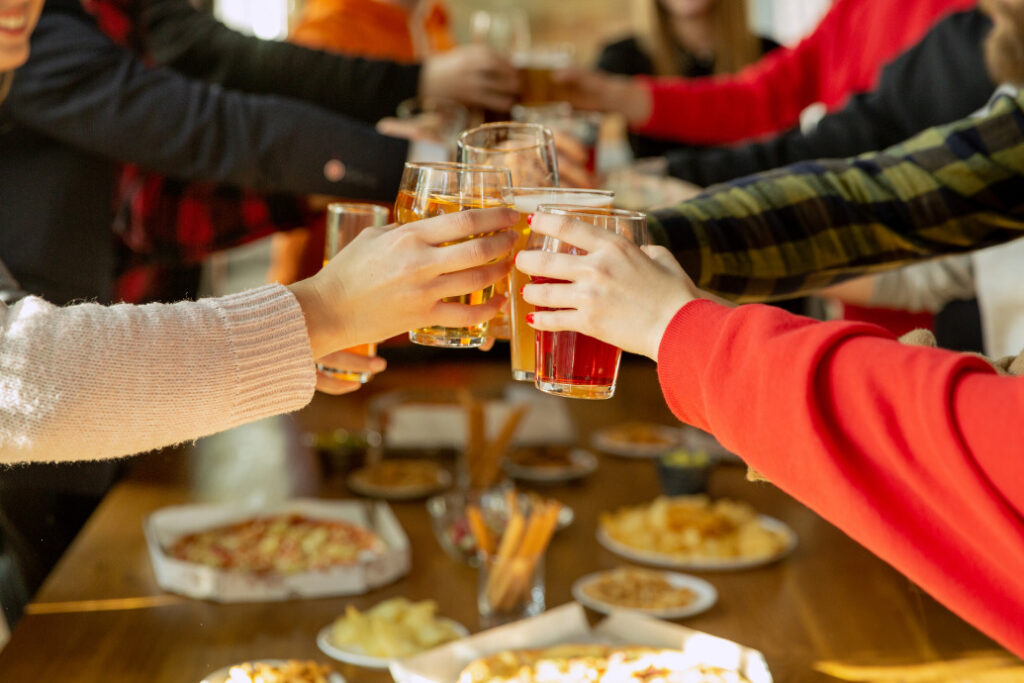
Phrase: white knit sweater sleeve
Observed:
(86, 382)
(926, 286)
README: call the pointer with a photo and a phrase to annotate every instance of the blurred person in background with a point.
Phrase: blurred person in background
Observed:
(688, 38)
(379, 68)
(842, 56)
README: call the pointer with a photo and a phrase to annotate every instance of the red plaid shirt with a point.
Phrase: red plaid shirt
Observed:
(168, 225)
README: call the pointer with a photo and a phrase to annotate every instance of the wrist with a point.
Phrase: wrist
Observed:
(315, 314)
(668, 311)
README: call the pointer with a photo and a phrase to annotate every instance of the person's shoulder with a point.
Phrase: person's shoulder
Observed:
(625, 57)
(972, 22)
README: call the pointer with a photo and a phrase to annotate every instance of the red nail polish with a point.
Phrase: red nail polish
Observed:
(521, 290)
(529, 219)
(529, 318)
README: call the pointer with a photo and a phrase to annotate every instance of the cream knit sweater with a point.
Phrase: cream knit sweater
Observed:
(86, 382)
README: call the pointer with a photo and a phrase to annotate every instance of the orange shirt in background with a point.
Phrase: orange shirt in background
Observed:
(372, 28)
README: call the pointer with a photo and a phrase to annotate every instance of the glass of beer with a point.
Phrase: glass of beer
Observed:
(569, 363)
(537, 67)
(528, 151)
(433, 189)
(344, 222)
(526, 201)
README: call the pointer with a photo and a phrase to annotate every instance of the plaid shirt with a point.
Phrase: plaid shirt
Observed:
(168, 225)
(951, 189)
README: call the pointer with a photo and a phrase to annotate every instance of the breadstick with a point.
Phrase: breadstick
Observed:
(484, 539)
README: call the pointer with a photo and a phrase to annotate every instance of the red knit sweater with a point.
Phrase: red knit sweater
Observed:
(843, 56)
(916, 453)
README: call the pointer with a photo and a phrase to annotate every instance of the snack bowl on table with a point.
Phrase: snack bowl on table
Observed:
(451, 526)
(684, 472)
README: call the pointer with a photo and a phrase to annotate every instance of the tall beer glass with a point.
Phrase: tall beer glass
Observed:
(569, 363)
(344, 222)
(433, 189)
(537, 67)
(526, 201)
(528, 151)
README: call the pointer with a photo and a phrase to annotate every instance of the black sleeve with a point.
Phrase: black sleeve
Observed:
(198, 45)
(80, 88)
(941, 79)
(626, 58)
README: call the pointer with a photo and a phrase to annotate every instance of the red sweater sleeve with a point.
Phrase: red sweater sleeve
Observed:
(916, 453)
(844, 55)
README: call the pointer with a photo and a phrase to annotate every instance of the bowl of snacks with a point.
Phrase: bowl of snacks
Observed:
(683, 471)
(390, 630)
(341, 451)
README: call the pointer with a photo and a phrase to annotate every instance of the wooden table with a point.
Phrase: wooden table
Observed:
(101, 617)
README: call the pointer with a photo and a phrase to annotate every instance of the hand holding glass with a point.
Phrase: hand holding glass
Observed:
(344, 222)
(435, 189)
(568, 362)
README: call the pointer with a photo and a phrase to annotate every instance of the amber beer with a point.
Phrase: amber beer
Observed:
(416, 204)
(525, 200)
(344, 222)
(537, 68)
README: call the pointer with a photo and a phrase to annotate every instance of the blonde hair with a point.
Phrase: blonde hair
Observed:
(736, 45)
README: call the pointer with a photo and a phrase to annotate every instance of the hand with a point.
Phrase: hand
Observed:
(616, 292)
(601, 91)
(354, 362)
(572, 162)
(472, 74)
(392, 279)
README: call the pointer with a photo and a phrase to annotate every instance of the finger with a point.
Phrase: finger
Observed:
(487, 345)
(352, 362)
(568, 146)
(449, 314)
(453, 227)
(475, 252)
(466, 281)
(336, 387)
(574, 231)
(494, 100)
(552, 295)
(572, 175)
(502, 78)
(555, 321)
(555, 266)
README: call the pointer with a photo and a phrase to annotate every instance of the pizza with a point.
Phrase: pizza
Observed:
(281, 544)
(594, 664)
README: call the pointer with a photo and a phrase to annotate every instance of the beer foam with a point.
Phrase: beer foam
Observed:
(529, 203)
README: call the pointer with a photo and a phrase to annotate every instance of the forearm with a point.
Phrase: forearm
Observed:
(90, 382)
(914, 452)
(198, 45)
(83, 90)
(763, 98)
(950, 189)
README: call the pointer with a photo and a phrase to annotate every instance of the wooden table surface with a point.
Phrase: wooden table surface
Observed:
(101, 617)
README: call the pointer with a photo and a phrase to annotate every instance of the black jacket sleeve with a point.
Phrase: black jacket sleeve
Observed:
(80, 88)
(941, 79)
(198, 45)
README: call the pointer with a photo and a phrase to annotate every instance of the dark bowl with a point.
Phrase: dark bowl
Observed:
(683, 472)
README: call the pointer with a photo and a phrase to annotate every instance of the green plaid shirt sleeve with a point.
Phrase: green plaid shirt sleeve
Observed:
(792, 231)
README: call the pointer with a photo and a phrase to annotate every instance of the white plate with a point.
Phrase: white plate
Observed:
(705, 596)
(221, 675)
(699, 564)
(357, 485)
(583, 463)
(358, 658)
(606, 441)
